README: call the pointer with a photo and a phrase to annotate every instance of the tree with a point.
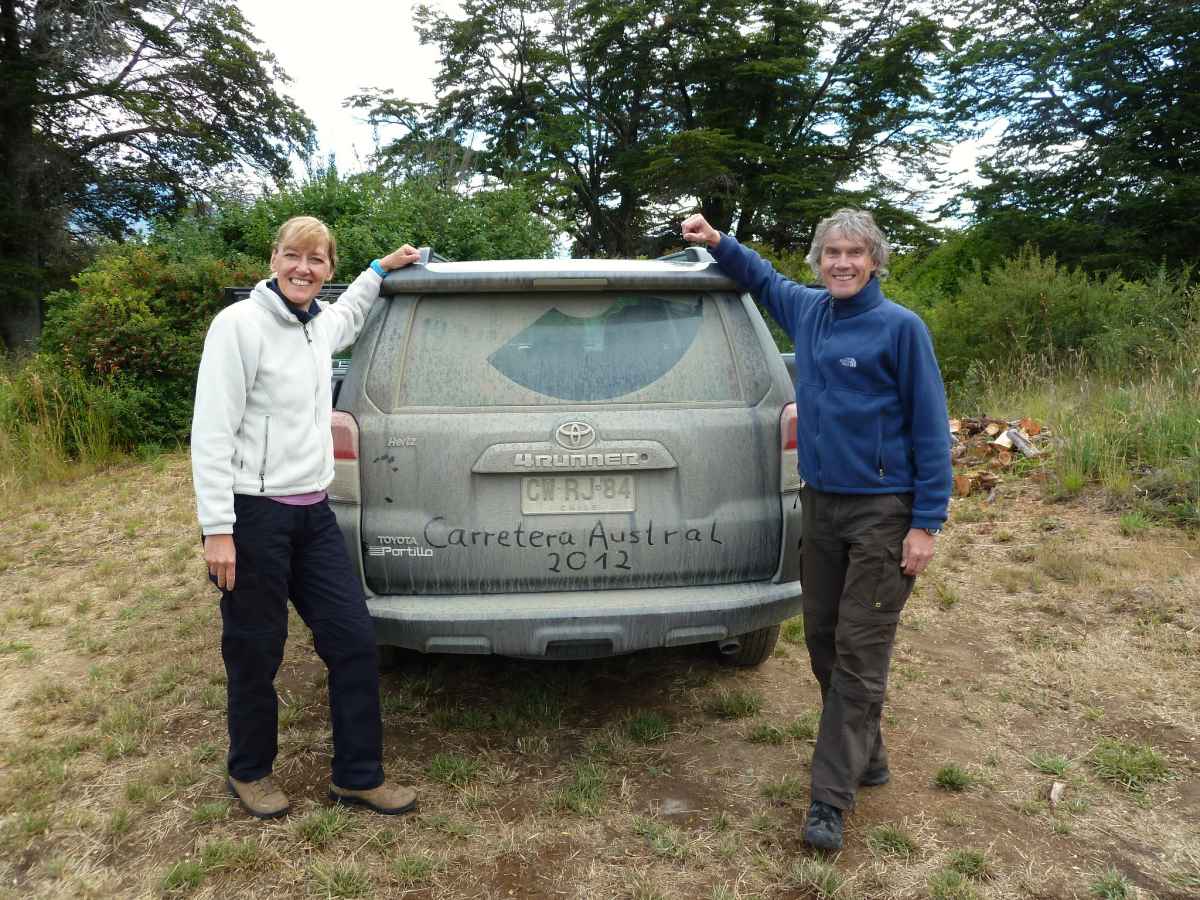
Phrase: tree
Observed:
(623, 113)
(369, 216)
(116, 112)
(1099, 159)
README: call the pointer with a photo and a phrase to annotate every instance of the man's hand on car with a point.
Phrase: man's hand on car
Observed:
(696, 230)
(221, 557)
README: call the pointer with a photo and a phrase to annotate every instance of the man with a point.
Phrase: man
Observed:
(874, 450)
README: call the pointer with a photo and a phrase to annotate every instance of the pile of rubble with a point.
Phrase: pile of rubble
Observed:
(984, 448)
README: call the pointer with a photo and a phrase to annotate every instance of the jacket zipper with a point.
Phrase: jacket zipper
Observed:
(879, 444)
(262, 470)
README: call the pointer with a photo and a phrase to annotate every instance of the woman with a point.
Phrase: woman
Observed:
(262, 457)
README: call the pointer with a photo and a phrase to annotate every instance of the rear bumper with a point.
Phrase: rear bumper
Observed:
(580, 624)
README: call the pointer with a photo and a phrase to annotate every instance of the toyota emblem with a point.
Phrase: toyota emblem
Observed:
(575, 435)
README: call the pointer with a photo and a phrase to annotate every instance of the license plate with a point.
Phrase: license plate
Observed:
(584, 493)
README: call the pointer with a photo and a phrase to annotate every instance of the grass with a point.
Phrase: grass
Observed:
(227, 854)
(946, 595)
(185, 874)
(953, 777)
(54, 425)
(971, 864)
(1133, 766)
(734, 703)
(817, 878)
(804, 727)
(792, 631)
(891, 840)
(1050, 763)
(787, 788)
(341, 879)
(606, 778)
(453, 769)
(412, 870)
(1111, 885)
(213, 811)
(766, 734)
(323, 827)
(664, 840)
(947, 884)
(1134, 523)
(648, 727)
(585, 793)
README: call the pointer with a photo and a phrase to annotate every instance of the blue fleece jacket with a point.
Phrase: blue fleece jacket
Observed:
(870, 401)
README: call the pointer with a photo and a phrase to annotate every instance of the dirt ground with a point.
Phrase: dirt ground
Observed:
(1045, 642)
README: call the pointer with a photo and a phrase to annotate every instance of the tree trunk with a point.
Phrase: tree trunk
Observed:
(23, 218)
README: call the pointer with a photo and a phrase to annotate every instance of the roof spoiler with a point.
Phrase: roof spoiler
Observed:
(429, 255)
(689, 255)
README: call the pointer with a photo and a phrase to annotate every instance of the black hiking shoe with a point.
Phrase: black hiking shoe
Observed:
(823, 829)
(875, 777)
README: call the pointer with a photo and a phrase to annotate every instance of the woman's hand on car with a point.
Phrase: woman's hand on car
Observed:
(696, 230)
(400, 258)
(221, 557)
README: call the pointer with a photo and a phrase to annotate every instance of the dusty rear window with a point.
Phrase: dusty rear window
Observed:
(547, 349)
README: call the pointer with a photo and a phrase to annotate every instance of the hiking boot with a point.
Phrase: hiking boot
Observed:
(388, 799)
(875, 777)
(823, 829)
(262, 799)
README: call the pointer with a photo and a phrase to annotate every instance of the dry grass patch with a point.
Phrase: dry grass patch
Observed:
(1054, 631)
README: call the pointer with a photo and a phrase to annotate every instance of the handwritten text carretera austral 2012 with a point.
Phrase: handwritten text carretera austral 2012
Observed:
(576, 544)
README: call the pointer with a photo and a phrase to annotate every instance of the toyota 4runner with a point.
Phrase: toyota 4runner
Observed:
(569, 459)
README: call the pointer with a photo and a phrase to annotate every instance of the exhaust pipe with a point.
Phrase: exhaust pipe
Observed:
(729, 647)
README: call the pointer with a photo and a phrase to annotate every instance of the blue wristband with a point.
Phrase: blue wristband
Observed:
(379, 269)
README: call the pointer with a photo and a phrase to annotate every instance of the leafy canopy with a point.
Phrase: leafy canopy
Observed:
(622, 114)
(1099, 158)
(113, 113)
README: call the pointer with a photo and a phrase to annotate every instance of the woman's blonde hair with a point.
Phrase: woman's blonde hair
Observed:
(302, 232)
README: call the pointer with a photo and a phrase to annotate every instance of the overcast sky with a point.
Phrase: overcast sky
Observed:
(333, 49)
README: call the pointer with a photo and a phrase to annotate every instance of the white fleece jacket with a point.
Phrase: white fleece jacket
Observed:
(263, 399)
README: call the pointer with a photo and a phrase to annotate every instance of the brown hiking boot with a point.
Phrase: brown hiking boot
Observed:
(388, 799)
(263, 799)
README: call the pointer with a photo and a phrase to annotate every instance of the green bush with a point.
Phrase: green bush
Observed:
(135, 325)
(1030, 308)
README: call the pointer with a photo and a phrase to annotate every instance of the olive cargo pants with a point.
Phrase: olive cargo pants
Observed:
(854, 591)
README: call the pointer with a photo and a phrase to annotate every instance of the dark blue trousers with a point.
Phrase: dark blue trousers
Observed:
(297, 552)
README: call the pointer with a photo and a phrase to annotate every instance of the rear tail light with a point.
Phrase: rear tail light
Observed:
(345, 435)
(344, 488)
(789, 457)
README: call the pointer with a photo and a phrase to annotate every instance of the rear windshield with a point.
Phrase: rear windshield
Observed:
(547, 349)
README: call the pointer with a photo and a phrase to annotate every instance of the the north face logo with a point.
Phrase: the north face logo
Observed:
(849, 361)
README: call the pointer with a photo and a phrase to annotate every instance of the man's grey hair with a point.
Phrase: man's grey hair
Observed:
(854, 224)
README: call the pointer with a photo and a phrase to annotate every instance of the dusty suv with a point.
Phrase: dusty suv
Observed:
(570, 459)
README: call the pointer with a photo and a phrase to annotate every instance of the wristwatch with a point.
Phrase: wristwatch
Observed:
(377, 265)
(932, 532)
